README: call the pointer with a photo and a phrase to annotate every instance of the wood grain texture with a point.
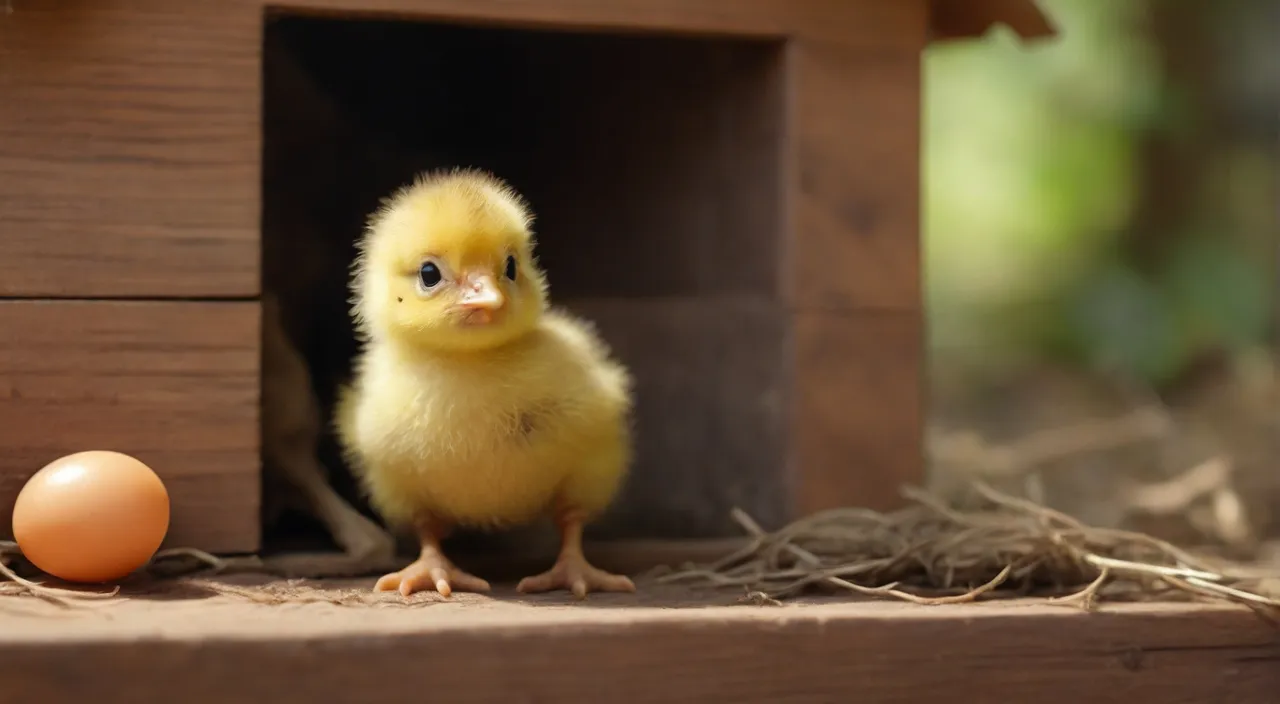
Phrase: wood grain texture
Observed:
(652, 647)
(856, 196)
(174, 384)
(710, 422)
(857, 408)
(129, 148)
(872, 24)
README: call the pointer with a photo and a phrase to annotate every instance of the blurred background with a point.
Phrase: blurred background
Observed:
(1100, 218)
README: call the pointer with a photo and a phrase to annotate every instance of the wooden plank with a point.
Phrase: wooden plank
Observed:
(658, 645)
(709, 425)
(857, 405)
(867, 23)
(174, 384)
(129, 148)
(856, 200)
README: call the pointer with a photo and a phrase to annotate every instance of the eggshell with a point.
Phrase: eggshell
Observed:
(92, 516)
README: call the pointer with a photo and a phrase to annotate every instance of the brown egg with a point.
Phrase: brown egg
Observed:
(91, 517)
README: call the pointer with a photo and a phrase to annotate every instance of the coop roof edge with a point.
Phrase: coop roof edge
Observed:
(960, 19)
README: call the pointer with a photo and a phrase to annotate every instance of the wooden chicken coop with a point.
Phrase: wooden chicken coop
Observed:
(730, 188)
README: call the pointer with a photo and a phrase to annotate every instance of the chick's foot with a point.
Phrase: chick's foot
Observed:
(573, 572)
(431, 571)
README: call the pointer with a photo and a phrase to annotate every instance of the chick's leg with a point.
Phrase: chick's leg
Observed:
(432, 570)
(572, 571)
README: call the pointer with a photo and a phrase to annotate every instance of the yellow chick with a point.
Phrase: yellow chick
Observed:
(474, 403)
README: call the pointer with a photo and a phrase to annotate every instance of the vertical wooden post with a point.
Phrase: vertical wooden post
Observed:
(854, 272)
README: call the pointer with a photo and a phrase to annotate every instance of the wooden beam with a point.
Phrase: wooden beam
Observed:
(853, 276)
(856, 193)
(869, 24)
(658, 645)
(174, 384)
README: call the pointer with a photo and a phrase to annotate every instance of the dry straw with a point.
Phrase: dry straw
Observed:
(21, 586)
(18, 584)
(930, 553)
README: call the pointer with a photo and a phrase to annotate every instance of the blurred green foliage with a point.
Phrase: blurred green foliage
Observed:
(1032, 172)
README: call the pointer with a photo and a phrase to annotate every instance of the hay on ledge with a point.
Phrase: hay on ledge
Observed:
(929, 553)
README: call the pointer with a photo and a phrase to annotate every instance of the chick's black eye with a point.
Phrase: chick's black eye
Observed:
(429, 275)
(511, 267)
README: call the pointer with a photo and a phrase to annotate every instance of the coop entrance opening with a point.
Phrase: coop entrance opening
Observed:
(652, 164)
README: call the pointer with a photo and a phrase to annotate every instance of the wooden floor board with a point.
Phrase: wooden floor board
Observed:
(664, 643)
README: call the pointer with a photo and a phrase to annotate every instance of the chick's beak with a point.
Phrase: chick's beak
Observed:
(481, 297)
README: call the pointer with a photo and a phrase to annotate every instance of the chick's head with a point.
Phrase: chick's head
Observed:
(447, 264)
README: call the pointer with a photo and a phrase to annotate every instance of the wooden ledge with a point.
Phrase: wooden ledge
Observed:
(664, 643)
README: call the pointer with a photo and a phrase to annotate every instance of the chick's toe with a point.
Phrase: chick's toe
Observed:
(574, 573)
(431, 572)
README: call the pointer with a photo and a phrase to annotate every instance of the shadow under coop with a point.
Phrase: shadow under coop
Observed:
(653, 165)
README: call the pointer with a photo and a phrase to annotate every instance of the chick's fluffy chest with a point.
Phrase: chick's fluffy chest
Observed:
(494, 438)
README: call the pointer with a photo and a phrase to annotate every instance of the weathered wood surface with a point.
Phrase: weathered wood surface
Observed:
(659, 645)
(857, 408)
(129, 148)
(853, 272)
(174, 384)
(856, 190)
